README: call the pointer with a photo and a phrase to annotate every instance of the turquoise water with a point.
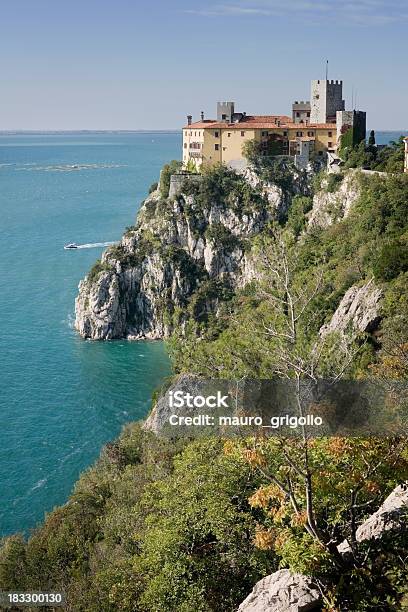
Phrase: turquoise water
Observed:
(62, 398)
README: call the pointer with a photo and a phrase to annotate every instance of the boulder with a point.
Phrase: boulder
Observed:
(283, 591)
(392, 515)
(357, 312)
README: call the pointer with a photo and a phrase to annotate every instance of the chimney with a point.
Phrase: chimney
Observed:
(189, 119)
(202, 115)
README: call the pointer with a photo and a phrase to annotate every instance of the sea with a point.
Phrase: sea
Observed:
(61, 397)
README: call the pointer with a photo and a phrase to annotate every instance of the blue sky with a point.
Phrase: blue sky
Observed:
(137, 64)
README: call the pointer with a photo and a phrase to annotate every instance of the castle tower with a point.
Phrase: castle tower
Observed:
(351, 127)
(225, 110)
(326, 99)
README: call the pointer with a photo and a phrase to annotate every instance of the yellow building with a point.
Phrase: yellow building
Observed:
(220, 140)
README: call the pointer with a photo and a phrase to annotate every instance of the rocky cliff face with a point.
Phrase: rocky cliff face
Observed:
(334, 201)
(358, 311)
(179, 248)
(187, 252)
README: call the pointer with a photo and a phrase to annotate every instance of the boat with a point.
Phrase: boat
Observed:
(71, 245)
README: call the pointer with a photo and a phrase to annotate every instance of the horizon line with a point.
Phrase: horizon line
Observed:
(86, 131)
(131, 131)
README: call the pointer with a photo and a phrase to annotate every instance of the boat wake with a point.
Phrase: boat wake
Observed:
(94, 245)
(89, 245)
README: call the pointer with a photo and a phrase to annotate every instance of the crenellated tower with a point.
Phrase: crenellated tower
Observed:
(326, 99)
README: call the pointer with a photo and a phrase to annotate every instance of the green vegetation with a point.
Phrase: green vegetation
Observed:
(96, 269)
(385, 159)
(333, 182)
(300, 206)
(255, 150)
(221, 235)
(179, 526)
(171, 168)
(264, 158)
(349, 252)
(229, 190)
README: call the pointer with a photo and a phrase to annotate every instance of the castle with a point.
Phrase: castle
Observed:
(312, 131)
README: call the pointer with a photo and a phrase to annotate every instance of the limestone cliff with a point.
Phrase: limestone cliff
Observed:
(180, 247)
(189, 251)
(335, 199)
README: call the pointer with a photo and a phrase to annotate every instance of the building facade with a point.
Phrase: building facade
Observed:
(211, 141)
(310, 132)
(301, 112)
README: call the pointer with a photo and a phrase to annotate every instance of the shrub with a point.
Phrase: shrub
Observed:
(333, 182)
(171, 168)
(392, 260)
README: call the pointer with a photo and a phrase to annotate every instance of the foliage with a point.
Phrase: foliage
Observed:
(153, 187)
(222, 236)
(96, 269)
(155, 524)
(265, 158)
(168, 169)
(299, 208)
(333, 182)
(256, 151)
(384, 159)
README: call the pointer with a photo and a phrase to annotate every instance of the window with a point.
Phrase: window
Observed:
(224, 148)
(223, 117)
(264, 133)
(216, 134)
(317, 96)
(310, 133)
(285, 133)
(298, 134)
(217, 147)
(195, 133)
(298, 114)
(308, 114)
(185, 145)
(330, 134)
(242, 133)
(229, 134)
(330, 144)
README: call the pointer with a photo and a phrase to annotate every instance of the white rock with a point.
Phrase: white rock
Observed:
(358, 310)
(391, 515)
(282, 591)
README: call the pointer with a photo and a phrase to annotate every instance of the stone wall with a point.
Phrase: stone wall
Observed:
(177, 181)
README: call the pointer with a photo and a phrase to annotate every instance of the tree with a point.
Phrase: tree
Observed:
(297, 478)
(168, 169)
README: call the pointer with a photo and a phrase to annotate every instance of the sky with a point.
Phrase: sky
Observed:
(139, 64)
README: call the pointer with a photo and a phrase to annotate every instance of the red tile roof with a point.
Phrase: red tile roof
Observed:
(258, 122)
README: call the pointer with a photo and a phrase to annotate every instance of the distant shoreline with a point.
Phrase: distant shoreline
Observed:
(57, 132)
(167, 131)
